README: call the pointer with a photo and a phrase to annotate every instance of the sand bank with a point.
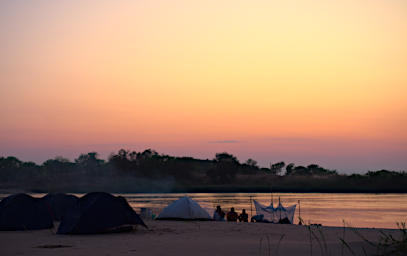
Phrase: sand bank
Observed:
(189, 238)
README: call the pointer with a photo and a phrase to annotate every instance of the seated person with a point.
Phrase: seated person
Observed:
(232, 215)
(219, 215)
(243, 217)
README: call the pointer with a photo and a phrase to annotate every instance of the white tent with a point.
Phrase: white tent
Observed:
(184, 209)
(275, 215)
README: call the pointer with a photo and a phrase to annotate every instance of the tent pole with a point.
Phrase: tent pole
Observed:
(251, 207)
(272, 199)
(279, 203)
(299, 211)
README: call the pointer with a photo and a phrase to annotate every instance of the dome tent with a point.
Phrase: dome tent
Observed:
(59, 204)
(184, 209)
(99, 212)
(24, 212)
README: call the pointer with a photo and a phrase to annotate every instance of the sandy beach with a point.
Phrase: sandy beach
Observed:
(191, 238)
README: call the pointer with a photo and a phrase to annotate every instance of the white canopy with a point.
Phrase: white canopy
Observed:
(275, 214)
(184, 208)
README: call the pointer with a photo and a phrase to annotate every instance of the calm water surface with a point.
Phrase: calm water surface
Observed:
(357, 210)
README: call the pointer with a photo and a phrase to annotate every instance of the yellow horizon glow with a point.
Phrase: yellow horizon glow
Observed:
(163, 71)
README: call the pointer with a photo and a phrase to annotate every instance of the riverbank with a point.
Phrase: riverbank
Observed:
(195, 238)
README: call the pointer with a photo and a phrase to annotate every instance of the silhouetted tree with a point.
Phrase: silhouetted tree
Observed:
(277, 168)
(89, 162)
(57, 165)
(9, 167)
(384, 173)
(121, 161)
(300, 170)
(90, 158)
(289, 168)
(10, 162)
(225, 170)
(317, 170)
(90, 172)
(226, 157)
(252, 163)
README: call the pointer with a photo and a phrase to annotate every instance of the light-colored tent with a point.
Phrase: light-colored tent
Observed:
(275, 215)
(184, 209)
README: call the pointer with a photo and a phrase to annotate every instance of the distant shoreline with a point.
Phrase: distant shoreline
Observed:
(151, 172)
(200, 190)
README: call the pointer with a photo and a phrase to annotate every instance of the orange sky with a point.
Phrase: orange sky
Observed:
(303, 81)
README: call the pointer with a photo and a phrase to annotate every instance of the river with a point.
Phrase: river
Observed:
(328, 209)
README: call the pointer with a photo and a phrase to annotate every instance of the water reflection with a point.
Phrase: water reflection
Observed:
(357, 210)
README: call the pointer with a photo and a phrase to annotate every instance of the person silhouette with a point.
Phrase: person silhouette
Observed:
(232, 215)
(243, 217)
(219, 215)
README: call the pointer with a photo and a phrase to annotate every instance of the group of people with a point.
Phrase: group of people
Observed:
(219, 215)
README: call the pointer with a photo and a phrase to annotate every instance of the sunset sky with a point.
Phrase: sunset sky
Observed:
(304, 81)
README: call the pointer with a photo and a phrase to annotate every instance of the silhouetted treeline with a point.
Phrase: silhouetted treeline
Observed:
(149, 171)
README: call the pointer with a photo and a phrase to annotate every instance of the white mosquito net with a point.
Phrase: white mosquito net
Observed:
(275, 215)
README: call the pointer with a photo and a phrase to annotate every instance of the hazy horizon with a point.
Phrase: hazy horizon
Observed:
(278, 152)
(297, 81)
